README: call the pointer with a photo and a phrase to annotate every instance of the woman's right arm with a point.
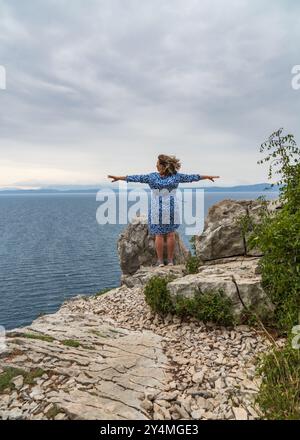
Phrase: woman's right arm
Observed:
(139, 178)
(116, 178)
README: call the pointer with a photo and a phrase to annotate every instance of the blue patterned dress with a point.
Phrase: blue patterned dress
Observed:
(163, 198)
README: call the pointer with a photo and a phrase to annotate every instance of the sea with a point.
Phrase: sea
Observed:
(52, 248)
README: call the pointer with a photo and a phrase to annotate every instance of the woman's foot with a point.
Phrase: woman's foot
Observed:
(170, 263)
(160, 263)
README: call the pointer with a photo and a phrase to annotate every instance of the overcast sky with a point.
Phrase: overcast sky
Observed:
(104, 86)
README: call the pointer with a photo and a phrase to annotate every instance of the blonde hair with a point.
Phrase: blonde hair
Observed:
(170, 163)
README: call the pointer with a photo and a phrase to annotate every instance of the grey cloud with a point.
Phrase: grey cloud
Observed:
(109, 76)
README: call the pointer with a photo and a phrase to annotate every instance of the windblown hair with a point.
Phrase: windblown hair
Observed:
(170, 163)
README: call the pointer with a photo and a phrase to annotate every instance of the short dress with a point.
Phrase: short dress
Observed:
(165, 202)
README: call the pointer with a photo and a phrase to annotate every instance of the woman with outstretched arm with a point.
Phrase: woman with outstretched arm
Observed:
(166, 177)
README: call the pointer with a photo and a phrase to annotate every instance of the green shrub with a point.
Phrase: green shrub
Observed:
(192, 264)
(157, 295)
(278, 237)
(7, 376)
(193, 244)
(208, 306)
(256, 315)
(71, 343)
(279, 395)
(247, 224)
(10, 373)
(41, 337)
(278, 233)
(31, 375)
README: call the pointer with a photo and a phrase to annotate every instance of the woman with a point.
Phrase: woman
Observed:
(167, 178)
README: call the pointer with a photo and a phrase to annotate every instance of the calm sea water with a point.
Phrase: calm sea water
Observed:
(52, 249)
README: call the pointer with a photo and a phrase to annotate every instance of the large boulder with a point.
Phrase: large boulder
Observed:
(239, 280)
(145, 273)
(136, 247)
(223, 234)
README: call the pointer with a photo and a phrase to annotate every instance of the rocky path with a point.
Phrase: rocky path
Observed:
(81, 367)
(110, 357)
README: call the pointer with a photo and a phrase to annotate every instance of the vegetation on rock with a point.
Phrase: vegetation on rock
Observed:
(10, 373)
(71, 343)
(41, 337)
(278, 232)
(279, 395)
(157, 295)
(207, 307)
(193, 261)
(278, 236)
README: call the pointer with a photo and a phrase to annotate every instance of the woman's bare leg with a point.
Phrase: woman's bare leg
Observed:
(171, 245)
(159, 246)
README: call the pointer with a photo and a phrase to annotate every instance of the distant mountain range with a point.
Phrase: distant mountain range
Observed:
(258, 187)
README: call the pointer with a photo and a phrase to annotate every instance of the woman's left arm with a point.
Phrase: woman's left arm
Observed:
(194, 177)
(210, 178)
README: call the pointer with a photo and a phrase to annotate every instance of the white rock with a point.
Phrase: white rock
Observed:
(198, 377)
(198, 414)
(15, 414)
(219, 383)
(147, 404)
(60, 416)
(18, 382)
(240, 413)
